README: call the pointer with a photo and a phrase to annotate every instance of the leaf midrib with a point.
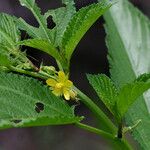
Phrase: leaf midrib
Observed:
(40, 23)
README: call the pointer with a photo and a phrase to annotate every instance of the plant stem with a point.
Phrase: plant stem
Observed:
(95, 130)
(33, 74)
(86, 100)
(98, 112)
(117, 143)
(59, 65)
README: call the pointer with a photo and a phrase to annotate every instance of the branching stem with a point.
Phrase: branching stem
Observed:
(118, 142)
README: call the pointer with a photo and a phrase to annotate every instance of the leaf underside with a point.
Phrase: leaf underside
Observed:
(43, 45)
(128, 36)
(26, 102)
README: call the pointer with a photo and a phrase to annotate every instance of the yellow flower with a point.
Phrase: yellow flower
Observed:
(62, 86)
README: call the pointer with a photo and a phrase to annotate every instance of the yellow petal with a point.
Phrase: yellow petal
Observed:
(68, 84)
(57, 92)
(61, 76)
(66, 94)
(51, 82)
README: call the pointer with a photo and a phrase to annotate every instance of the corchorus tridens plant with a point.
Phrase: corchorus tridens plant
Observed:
(25, 101)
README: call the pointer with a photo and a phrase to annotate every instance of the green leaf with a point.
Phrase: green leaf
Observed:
(9, 36)
(129, 94)
(4, 59)
(128, 36)
(32, 31)
(105, 90)
(9, 33)
(42, 31)
(61, 17)
(26, 102)
(43, 45)
(144, 77)
(66, 2)
(79, 25)
(118, 102)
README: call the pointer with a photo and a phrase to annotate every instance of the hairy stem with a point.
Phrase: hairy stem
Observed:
(98, 112)
(33, 74)
(116, 141)
(86, 100)
(95, 130)
(59, 65)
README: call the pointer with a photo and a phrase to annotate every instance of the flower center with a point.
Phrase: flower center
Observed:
(59, 85)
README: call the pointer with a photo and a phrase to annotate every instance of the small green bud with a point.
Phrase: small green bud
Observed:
(4, 69)
(26, 66)
(48, 69)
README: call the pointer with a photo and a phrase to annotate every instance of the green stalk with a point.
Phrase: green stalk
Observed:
(33, 74)
(59, 65)
(95, 130)
(86, 100)
(118, 144)
(97, 112)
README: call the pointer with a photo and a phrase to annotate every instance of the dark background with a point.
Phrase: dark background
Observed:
(89, 57)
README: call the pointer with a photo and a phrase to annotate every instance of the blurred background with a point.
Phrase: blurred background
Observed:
(90, 57)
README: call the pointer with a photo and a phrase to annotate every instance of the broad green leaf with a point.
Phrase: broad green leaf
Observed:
(9, 34)
(42, 31)
(61, 17)
(129, 94)
(26, 102)
(105, 90)
(79, 25)
(43, 45)
(128, 36)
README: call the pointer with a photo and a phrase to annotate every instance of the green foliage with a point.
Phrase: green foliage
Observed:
(43, 45)
(4, 59)
(128, 36)
(26, 102)
(129, 93)
(68, 2)
(144, 77)
(70, 27)
(9, 34)
(79, 25)
(61, 17)
(42, 31)
(105, 90)
(117, 101)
